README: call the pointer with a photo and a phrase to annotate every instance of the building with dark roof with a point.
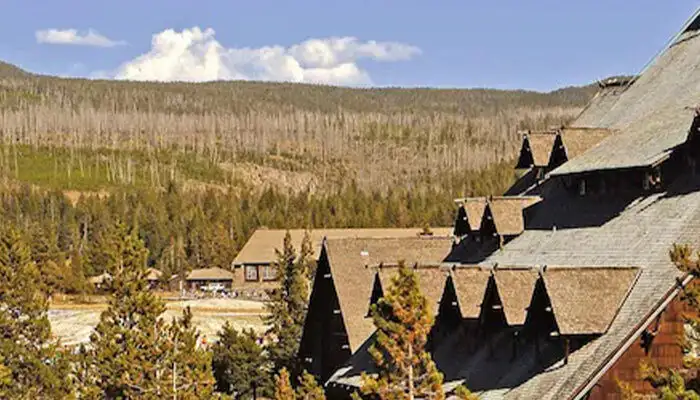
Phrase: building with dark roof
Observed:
(583, 288)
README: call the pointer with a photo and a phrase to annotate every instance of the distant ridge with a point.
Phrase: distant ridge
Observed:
(12, 71)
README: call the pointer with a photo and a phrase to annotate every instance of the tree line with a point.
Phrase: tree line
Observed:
(187, 229)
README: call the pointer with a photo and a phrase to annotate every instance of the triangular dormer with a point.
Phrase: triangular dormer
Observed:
(540, 319)
(377, 293)
(492, 317)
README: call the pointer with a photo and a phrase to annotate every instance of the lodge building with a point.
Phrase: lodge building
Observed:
(256, 264)
(561, 287)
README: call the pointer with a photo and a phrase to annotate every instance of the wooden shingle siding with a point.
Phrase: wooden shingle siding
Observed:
(664, 351)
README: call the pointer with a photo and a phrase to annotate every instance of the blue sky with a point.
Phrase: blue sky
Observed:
(538, 44)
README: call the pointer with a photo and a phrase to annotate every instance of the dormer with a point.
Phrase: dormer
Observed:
(572, 142)
(504, 217)
(469, 215)
(535, 151)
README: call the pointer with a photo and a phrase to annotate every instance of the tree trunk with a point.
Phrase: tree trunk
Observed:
(410, 372)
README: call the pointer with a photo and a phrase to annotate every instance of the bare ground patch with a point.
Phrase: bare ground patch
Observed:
(73, 323)
(262, 177)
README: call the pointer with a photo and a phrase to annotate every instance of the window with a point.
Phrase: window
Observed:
(269, 273)
(251, 273)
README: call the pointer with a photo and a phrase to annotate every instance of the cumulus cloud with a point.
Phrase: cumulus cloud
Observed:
(73, 37)
(195, 55)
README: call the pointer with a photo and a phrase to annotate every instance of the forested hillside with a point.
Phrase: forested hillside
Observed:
(150, 132)
(195, 168)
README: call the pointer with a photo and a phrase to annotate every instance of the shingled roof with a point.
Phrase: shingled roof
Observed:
(577, 141)
(470, 285)
(474, 210)
(589, 245)
(576, 310)
(507, 213)
(515, 287)
(210, 274)
(538, 145)
(353, 261)
(638, 235)
(260, 248)
(652, 116)
(431, 280)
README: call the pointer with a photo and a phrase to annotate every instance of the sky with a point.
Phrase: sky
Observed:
(509, 44)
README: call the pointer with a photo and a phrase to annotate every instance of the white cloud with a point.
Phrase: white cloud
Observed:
(195, 55)
(73, 37)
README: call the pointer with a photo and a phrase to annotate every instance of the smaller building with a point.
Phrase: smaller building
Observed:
(203, 278)
(257, 260)
(100, 281)
(154, 278)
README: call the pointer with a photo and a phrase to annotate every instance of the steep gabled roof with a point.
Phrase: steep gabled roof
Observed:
(352, 263)
(507, 213)
(586, 300)
(470, 285)
(260, 248)
(599, 241)
(639, 234)
(652, 116)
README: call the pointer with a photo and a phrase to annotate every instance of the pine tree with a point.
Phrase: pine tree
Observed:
(187, 366)
(287, 309)
(309, 389)
(238, 362)
(403, 321)
(32, 366)
(74, 275)
(283, 386)
(463, 393)
(306, 259)
(133, 353)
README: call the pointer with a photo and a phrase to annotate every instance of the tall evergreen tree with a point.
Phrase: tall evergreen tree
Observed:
(32, 366)
(309, 389)
(238, 363)
(133, 353)
(306, 261)
(403, 321)
(287, 309)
